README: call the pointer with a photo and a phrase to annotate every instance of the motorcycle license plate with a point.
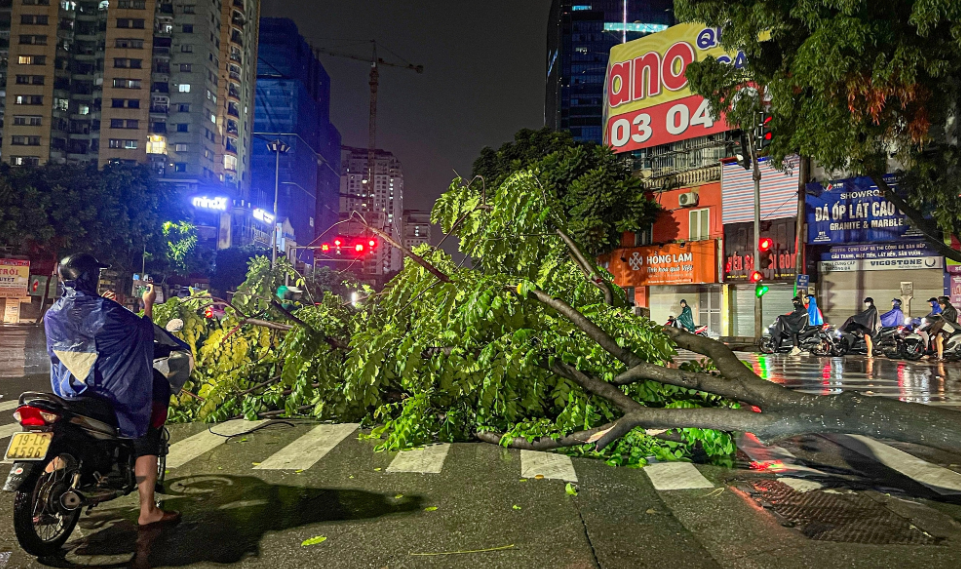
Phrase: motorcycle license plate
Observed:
(29, 446)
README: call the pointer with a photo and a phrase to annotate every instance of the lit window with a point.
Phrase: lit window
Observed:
(184, 88)
(230, 163)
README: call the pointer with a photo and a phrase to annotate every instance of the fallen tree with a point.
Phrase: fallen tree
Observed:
(532, 346)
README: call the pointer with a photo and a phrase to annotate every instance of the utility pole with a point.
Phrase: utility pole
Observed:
(804, 173)
(758, 303)
(278, 147)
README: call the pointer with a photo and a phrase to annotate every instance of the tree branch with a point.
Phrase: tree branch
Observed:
(590, 271)
(916, 218)
(706, 382)
(441, 275)
(596, 386)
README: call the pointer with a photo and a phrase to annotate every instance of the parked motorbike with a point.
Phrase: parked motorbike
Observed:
(816, 340)
(70, 454)
(912, 345)
(700, 330)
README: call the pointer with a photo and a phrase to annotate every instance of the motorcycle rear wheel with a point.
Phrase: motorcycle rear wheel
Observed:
(912, 351)
(41, 524)
(822, 348)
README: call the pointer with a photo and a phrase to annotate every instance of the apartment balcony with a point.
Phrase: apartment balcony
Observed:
(236, 38)
(159, 109)
(234, 76)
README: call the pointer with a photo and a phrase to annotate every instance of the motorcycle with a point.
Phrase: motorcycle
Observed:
(699, 331)
(952, 344)
(70, 454)
(886, 342)
(816, 340)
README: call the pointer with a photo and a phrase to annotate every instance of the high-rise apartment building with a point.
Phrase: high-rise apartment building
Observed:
(293, 105)
(160, 82)
(416, 228)
(380, 204)
(6, 12)
(580, 35)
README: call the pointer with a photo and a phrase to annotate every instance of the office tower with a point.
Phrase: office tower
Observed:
(416, 228)
(379, 204)
(580, 35)
(293, 105)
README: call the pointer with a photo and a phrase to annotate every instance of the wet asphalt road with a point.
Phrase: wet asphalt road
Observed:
(479, 503)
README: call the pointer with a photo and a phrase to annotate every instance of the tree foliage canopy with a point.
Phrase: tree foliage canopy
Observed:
(595, 190)
(113, 213)
(852, 84)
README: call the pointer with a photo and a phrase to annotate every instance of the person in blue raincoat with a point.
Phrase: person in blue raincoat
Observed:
(893, 317)
(815, 318)
(98, 348)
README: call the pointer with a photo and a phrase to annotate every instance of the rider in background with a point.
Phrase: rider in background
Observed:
(945, 326)
(893, 317)
(686, 318)
(815, 318)
(789, 325)
(866, 322)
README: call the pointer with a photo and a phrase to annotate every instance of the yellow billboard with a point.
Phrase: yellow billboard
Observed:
(648, 100)
(14, 278)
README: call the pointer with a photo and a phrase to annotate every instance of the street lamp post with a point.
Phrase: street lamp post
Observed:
(278, 147)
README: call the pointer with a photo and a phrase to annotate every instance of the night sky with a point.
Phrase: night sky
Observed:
(483, 79)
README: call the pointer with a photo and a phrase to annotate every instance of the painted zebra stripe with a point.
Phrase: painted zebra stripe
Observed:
(548, 465)
(205, 441)
(308, 449)
(676, 476)
(8, 406)
(427, 460)
(941, 480)
(8, 430)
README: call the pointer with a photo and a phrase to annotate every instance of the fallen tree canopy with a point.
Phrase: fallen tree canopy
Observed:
(531, 347)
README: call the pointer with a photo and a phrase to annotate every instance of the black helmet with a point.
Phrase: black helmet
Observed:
(868, 299)
(74, 267)
(933, 299)
(944, 300)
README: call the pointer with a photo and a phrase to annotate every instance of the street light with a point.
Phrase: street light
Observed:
(278, 147)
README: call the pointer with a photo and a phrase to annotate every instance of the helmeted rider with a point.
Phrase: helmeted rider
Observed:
(100, 349)
(686, 317)
(866, 322)
(893, 317)
(789, 325)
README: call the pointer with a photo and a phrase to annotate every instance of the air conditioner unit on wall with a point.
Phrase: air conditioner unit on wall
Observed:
(687, 200)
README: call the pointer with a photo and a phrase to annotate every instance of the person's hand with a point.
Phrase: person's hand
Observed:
(110, 295)
(149, 295)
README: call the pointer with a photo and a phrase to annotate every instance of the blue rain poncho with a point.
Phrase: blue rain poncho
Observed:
(99, 348)
(814, 313)
(893, 317)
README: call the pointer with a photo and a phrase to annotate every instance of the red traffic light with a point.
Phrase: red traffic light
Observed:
(337, 242)
(756, 277)
(765, 244)
(767, 120)
(325, 248)
(372, 243)
(209, 312)
(359, 247)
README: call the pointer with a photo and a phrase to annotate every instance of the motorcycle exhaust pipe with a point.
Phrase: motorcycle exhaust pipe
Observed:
(71, 500)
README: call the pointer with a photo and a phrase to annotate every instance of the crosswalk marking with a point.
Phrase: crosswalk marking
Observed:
(427, 460)
(547, 465)
(205, 441)
(8, 430)
(308, 449)
(777, 458)
(8, 405)
(676, 476)
(941, 480)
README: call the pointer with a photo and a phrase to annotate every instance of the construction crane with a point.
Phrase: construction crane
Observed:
(375, 63)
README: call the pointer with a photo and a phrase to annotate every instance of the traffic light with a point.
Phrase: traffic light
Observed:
(760, 290)
(765, 248)
(763, 132)
(741, 150)
(209, 312)
(349, 247)
(756, 277)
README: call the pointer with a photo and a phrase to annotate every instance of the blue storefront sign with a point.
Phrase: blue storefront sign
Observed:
(853, 211)
(878, 251)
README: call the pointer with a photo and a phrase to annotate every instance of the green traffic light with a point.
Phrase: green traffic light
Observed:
(761, 290)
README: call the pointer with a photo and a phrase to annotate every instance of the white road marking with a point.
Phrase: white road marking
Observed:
(941, 480)
(8, 405)
(308, 449)
(8, 430)
(800, 485)
(205, 441)
(427, 460)
(548, 465)
(676, 476)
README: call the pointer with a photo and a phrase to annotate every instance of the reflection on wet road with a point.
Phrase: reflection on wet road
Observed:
(931, 383)
(22, 352)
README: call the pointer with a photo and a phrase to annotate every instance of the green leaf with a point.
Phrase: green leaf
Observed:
(430, 509)
(571, 489)
(313, 541)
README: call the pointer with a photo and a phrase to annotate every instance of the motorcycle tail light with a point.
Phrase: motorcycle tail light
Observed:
(32, 417)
